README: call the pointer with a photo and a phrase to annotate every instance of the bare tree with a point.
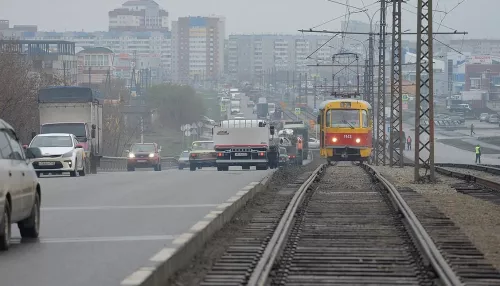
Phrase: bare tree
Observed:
(19, 86)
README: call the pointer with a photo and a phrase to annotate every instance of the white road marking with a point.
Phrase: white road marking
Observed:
(199, 225)
(183, 238)
(253, 184)
(233, 199)
(138, 277)
(223, 206)
(102, 239)
(213, 214)
(241, 193)
(163, 255)
(126, 207)
(248, 188)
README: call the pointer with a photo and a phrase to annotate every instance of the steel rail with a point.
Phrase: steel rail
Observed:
(427, 245)
(441, 168)
(278, 240)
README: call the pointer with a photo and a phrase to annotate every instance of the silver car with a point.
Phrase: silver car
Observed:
(61, 153)
(20, 192)
(493, 118)
(483, 117)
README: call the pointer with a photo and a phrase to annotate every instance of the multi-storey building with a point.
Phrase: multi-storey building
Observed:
(198, 48)
(138, 15)
(153, 44)
(477, 46)
(251, 56)
(94, 66)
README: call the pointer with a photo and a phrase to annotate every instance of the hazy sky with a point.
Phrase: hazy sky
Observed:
(478, 17)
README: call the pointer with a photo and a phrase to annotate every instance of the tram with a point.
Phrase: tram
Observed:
(345, 130)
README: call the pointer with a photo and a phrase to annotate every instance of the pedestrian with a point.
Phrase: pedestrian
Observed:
(408, 143)
(472, 129)
(478, 154)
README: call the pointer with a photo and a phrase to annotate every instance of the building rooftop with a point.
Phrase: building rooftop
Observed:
(96, 50)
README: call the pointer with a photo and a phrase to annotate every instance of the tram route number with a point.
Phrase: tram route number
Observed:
(348, 136)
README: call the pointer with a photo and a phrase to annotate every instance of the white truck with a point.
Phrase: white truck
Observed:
(235, 106)
(74, 110)
(244, 143)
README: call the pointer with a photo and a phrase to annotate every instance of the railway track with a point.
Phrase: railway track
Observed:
(480, 181)
(345, 226)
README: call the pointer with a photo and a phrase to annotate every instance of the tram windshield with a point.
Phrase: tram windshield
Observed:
(343, 118)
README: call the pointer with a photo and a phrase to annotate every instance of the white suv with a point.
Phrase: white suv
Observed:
(20, 192)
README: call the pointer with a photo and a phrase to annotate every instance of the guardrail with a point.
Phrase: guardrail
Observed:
(119, 164)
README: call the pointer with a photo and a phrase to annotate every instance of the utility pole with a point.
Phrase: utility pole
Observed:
(300, 88)
(306, 89)
(64, 73)
(142, 129)
(371, 52)
(380, 152)
(424, 105)
(315, 94)
(396, 143)
(90, 77)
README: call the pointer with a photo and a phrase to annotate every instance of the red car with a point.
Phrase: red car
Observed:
(144, 155)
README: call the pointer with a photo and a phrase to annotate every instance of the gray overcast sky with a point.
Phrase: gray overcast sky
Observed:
(478, 17)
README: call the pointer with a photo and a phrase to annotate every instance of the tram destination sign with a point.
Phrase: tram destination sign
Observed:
(345, 105)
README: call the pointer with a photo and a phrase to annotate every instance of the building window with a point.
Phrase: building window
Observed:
(87, 60)
(475, 83)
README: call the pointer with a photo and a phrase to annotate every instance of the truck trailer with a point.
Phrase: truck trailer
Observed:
(244, 143)
(74, 110)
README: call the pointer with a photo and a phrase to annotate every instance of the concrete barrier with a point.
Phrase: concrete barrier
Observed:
(169, 260)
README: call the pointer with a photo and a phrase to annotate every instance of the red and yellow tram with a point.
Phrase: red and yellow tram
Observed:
(345, 130)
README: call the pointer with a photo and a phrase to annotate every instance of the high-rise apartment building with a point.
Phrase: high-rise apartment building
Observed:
(198, 48)
(138, 15)
(251, 56)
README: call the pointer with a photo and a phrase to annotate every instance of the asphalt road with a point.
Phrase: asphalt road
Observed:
(96, 230)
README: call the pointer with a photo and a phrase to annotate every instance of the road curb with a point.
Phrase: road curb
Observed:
(169, 260)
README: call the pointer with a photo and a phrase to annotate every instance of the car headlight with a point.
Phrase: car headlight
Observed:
(151, 155)
(68, 154)
(131, 155)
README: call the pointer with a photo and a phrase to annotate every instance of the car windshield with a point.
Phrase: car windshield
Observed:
(282, 150)
(52, 141)
(343, 118)
(77, 129)
(203, 145)
(143, 148)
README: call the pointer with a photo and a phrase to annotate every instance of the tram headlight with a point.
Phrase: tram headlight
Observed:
(334, 139)
(358, 140)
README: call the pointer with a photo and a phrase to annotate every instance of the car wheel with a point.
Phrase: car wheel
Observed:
(181, 167)
(82, 172)
(74, 173)
(5, 227)
(159, 167)
(192, 167)
(30, 227)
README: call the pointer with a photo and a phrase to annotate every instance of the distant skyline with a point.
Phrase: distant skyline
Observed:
(478, 17)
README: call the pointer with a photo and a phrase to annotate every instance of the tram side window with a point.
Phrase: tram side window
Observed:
(364, 118)
(343, 118)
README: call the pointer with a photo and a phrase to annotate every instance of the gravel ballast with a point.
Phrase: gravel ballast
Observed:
(478, 219)
(216, 247)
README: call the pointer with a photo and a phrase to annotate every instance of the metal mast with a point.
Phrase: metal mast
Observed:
(424, 109)
(380, 154)
(396, 144)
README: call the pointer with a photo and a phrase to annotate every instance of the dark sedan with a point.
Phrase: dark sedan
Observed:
(144, 155)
